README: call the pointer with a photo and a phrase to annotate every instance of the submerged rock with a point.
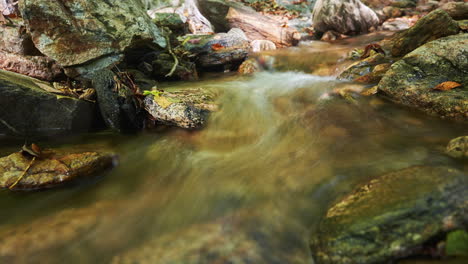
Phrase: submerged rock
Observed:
(411, 80)
(436, 24)
(245, 236)
(188, 108)
(392, 216)
(458, 147)
(345, 17)
(50, 169)
(29, 110)
(369, 70)
(88, 35)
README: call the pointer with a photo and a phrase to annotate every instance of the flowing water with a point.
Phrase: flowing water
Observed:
(248, 188)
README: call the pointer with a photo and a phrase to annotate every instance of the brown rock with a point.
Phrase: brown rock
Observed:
(435, 25)
(34, 66)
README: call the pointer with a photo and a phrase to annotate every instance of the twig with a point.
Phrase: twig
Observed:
(176, 61)
(22, 175)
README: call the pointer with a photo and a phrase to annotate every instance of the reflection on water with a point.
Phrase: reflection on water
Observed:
(249, 188)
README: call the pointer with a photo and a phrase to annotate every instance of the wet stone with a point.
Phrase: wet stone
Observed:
(458, 147)
(51, 169)
(411, 80)
(41, 112)
(185, 108)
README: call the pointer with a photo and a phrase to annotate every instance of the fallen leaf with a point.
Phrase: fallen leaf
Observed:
(446, 86)
(217, 46)
(163, 101)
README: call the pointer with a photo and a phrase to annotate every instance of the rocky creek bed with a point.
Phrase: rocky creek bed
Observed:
(194, 132)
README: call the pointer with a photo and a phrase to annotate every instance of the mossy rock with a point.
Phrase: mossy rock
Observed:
(51, 169)
(392, 216)
(436, 24)
(28, 110)
(411, 80)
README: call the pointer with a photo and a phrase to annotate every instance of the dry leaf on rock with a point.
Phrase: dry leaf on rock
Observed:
(446, 86)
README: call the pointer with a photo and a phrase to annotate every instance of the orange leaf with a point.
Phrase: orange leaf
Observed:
(446, 86)
(217, 46)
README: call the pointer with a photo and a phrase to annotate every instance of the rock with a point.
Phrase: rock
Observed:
(458, 147)
(86, 36)
(411, 80)
(257, 26)
(187, 108)
(346, 17)
(391, 12)
(463, 24)
(119, 106)
(435, 25)
(40, 67)
(457, 10)
(262, 45)
(249, 66)
(51, 169)
(225, 50)
(216, 11)
(404, 3)
(28, 110)
(244, 236)
(392, 216)
(15, 39)
(18, 53)
(397, 24)
(369, 70)
(56, 231)
(225, 15)
(8, 7)
(175, 22)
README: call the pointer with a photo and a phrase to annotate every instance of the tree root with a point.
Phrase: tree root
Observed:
(176, 60)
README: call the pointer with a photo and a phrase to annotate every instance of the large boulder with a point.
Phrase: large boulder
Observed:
(345, 17)
(411, 81)
(88, 35)
(28, 110)
(19, 172)
(393, 216)
(435, 25)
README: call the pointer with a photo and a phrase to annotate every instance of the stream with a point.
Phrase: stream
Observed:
(248, 188)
